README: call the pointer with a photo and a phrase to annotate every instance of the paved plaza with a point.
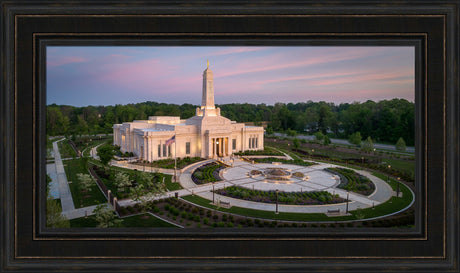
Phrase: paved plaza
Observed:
(317, 179)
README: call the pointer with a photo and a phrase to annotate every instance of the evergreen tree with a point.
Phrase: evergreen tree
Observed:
(355, 139)
(368, 145)
(400, 145)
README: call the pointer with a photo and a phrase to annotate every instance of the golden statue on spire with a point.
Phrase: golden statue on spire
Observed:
(208, 63)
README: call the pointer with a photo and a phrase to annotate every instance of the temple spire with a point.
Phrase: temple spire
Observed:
(207, 101)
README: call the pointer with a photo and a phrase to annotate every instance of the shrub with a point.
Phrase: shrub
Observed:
(205, 220)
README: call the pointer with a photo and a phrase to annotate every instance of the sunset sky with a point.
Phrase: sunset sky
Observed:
(82, 76)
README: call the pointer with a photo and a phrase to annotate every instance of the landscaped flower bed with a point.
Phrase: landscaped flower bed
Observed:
(353, 181)
(274, 159)
(265, 151)
(168, 163)
(288, 198)
(207, 173)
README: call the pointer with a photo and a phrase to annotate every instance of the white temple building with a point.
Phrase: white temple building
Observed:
(206, 135)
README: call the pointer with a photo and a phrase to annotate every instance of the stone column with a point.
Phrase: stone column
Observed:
(214, 145)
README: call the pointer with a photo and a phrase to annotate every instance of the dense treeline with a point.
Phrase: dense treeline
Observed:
(383, 121)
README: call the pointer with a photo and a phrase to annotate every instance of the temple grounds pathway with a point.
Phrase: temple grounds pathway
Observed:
(59, 187)
(319, 180)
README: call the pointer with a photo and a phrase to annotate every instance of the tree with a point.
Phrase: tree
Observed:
(86, 181)
(400, 145)
(326, 140)
(144, 198)
(54, 217)
(106, 217)
(296, 143)
(269, 130)
(122, 180)
(368, 145)
(290, 132)
(105, 153)
(145, 179)
(319, 136)
(355, 138)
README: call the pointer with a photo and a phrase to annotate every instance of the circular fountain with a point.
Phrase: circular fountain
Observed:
(277, 174)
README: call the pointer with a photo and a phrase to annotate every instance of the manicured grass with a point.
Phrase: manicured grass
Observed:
(408, 166)
(142, 220)
(86, 149)
(266, 214)
(81, 199)
(396, 204)
(65, 149)
(170, 185)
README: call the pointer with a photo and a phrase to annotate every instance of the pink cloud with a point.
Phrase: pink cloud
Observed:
(276, 62)
(236, 50)
(62, 60)
(385, 76)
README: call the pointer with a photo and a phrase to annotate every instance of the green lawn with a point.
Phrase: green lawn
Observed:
(396, 204)
(81, 199)
(170, 185)
(405, 165)
(132, 221)
(87, 148)
(66, 150)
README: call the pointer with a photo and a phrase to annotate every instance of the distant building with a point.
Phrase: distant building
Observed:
(207, 134)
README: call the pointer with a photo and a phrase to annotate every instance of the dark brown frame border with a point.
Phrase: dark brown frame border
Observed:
(29, 26)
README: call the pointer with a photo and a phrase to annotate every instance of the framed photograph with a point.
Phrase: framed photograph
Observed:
(183, 137)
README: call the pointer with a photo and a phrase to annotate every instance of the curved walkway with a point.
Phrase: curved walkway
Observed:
(383, 192)
(64, 189)
(57, 173)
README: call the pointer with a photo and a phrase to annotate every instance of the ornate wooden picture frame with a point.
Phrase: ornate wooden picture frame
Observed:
(28, 27)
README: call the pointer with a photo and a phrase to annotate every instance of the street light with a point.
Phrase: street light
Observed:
(397, 188)
(348, 195)
(389, 167)
(212, 192)
(362, 160)
(276, 211)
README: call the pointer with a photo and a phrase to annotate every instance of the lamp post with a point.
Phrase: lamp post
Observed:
(348, 195)
(276, 211)
(212, 192)
(397, 188)
(389, 167)
(362, 160)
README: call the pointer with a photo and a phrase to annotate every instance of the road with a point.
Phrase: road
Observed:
(380, 146)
